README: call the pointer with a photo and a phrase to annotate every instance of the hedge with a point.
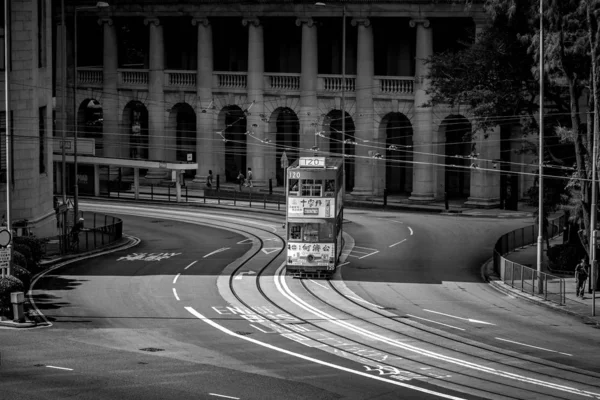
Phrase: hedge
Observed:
(26, 252)
(8, 285)
(563, 257)
(36, 246)
(22, 274)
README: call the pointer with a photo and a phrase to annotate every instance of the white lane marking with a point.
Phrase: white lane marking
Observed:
(391, 220)
(410, 229)
(364, 301)
(241, 274)
(342, 264)
(435, 322)
(66, 369)
(245, 241)
(175, 279)
(222, 395)
(375, 252)
(314, 360)
(175, 293)
(216, 251)
(257, 328)
(402, 241)
(282, 287)
(269, 250)
(535, 347)
(475, 321)
(191, 264)
(317, 283)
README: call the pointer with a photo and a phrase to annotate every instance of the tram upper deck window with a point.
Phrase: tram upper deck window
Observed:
(330, 188)
(312, 187)
(311, 232)
(296, 232)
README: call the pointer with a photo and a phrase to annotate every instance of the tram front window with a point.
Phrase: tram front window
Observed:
(311, 232)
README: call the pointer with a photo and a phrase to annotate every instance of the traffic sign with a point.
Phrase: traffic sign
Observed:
(4, 257)
(5, 237)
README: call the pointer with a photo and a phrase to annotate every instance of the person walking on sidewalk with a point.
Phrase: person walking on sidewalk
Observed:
(581, 275)
(241, 180)
(249, 178)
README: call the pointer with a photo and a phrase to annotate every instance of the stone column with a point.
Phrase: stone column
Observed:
(363, 167)
(205, 136)
(263, 168)
(309, 116)
(156, 98)
(423, 182)
(485, 180)
(110, 100)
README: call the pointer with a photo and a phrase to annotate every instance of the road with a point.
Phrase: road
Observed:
(201, 309)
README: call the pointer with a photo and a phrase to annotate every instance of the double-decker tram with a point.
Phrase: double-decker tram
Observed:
(314, 216)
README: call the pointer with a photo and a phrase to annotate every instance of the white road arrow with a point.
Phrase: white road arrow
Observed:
(269, 250)
(475, 321)
(241, 274)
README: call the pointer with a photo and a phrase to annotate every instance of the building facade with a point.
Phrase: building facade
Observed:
(235, 85)
(27, 31)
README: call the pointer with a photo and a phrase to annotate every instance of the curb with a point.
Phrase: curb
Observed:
(494, 281)
(32, 310)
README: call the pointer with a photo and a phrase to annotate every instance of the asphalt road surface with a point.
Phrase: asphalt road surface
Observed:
(202, 308)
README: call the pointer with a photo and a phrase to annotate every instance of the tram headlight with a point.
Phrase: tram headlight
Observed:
(310, 258)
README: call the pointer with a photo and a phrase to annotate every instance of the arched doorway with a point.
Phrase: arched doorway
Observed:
(457, 177)
(235, 134)
(287, 138)
(333, 124)
(183, 120)
(135, 125)
(398, 154)
(89, 123)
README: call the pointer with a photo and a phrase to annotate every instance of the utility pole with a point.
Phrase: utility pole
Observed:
(540, 241)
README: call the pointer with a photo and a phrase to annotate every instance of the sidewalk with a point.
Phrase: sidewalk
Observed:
(574, 305)
(195, 193)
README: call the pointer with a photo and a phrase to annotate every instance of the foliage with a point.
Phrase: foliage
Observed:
(22, 274)
(8, 285)
(19, 259)
(563, 257)
(496, 80)
(36, 246)
(26, 252)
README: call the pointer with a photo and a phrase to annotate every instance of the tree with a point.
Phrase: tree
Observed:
(496, 78)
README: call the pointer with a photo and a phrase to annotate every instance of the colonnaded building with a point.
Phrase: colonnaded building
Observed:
(236, 84)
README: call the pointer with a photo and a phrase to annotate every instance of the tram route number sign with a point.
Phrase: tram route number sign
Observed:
(311, 162)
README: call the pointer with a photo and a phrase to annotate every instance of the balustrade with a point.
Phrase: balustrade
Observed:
(231, 80)
(282, 82)
(89, 76)
(335, 83)
(395, 85)
(181, 78)
(133, 76)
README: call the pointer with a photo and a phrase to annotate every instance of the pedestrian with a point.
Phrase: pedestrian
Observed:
(581, 275)
(75, 230)
(209, 179)
(249, 179)
(241, 179)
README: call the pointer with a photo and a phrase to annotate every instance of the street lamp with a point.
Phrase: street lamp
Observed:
(99, 5)
(343, 104)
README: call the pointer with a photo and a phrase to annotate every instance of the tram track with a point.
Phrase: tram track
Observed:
(480, 386)
(445, 383)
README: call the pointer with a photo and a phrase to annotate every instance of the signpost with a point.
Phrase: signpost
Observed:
(5, 253)
(285, 163)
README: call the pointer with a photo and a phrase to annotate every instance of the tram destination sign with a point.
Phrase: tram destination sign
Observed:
(311, 162)
(311, 207)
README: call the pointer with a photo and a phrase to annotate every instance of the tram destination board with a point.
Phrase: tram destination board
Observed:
(311, 162)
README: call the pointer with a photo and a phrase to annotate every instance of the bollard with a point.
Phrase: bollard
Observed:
(151, 191)
(270, 186)
(265, 203)
(446, 200)
(250, 193)
(384, 197)
(186, 193)
(17, 299)
(218, 184)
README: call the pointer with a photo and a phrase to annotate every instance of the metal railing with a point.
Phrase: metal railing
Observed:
(529, 280)
(98, 231)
